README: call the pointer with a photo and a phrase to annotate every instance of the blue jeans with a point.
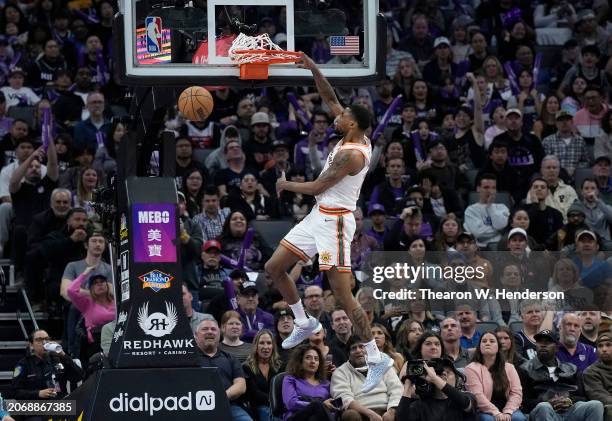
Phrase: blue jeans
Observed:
(580, 411)
(516, 416)
(239, 414)
(264, 414)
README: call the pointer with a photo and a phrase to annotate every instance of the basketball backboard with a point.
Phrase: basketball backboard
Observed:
(178, 42)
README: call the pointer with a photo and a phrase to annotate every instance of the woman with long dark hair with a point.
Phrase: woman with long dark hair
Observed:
(428, 346)
(423, 100)
(448, 231)
(261, 365)
(546, 124)
(407, 337)
(305, 387)
(106, 156)
(232, 238)
(384, 344)
(505, 337)
(494, 382)
(193, 189)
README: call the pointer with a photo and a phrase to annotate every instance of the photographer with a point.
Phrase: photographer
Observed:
(432, 391)
(44, 372)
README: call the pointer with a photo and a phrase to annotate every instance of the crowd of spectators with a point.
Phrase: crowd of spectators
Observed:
(492, 160)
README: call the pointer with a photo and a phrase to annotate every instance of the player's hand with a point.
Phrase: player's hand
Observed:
(305, 62)
(7, 418)
(280, 184)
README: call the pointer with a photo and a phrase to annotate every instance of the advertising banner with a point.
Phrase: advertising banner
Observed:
(150, 394)
(154, 233)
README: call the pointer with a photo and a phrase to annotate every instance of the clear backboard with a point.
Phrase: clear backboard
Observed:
(178, 42)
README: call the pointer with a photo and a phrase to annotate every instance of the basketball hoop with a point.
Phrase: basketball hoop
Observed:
(255, 54)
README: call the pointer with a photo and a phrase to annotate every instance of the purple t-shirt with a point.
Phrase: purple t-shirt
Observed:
(294, 389)
(584, 356)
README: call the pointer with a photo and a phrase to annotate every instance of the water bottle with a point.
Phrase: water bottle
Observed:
(52, 347)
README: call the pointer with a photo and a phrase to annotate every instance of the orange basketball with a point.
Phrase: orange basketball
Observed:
(195, 103)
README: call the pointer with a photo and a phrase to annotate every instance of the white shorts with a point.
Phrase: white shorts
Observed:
(327, 231)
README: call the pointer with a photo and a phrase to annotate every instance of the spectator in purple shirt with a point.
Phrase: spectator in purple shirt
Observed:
(570, 349)
(253, 318)
(306, 388)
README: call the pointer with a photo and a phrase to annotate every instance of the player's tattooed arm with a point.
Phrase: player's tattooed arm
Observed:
(346, 162)
(361, 324)
(326, 92)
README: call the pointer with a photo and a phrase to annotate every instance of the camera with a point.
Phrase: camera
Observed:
(415, 372)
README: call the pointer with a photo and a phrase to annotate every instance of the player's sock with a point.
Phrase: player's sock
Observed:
(301, 319)
(372, 351)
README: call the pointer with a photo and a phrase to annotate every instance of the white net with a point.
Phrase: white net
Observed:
(260, 48)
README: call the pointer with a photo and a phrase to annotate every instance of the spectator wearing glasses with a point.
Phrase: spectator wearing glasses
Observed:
(588, 119)
(313, 303)
(42, 375)
(87, 131)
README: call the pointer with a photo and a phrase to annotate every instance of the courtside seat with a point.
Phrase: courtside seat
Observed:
(277, 407)
(516, 327)
(580, 175)
(483, 327)
(25, 113)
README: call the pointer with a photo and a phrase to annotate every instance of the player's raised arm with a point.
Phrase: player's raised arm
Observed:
(323, 87)
(346, 162)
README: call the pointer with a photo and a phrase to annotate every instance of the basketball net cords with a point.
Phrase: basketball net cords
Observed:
(238, 51)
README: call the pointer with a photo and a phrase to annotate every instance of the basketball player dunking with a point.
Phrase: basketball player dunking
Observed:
(328, 229)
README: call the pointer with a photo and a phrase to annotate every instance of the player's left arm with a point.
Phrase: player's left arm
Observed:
(346, 162)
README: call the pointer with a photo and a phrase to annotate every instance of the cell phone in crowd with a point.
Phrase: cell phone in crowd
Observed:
(329, 359)
(337, 403)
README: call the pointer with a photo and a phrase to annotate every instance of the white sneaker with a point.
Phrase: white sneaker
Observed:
(299, 333)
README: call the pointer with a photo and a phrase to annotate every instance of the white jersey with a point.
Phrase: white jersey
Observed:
(345, 194)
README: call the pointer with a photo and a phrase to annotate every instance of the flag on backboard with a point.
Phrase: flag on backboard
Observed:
(344, 45)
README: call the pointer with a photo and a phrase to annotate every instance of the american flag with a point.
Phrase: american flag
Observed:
(344, 45)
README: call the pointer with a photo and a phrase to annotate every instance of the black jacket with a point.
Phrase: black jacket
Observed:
(33, 374)
(42, 224)
(58, 250)
(539, 387)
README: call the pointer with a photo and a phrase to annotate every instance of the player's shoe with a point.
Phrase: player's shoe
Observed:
(299, 334)
(376, 372)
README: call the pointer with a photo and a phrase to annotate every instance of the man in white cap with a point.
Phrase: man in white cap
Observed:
(595, 273)
(259, 147)
(535, 268)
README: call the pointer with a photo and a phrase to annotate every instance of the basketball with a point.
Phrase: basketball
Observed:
(195, 103)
